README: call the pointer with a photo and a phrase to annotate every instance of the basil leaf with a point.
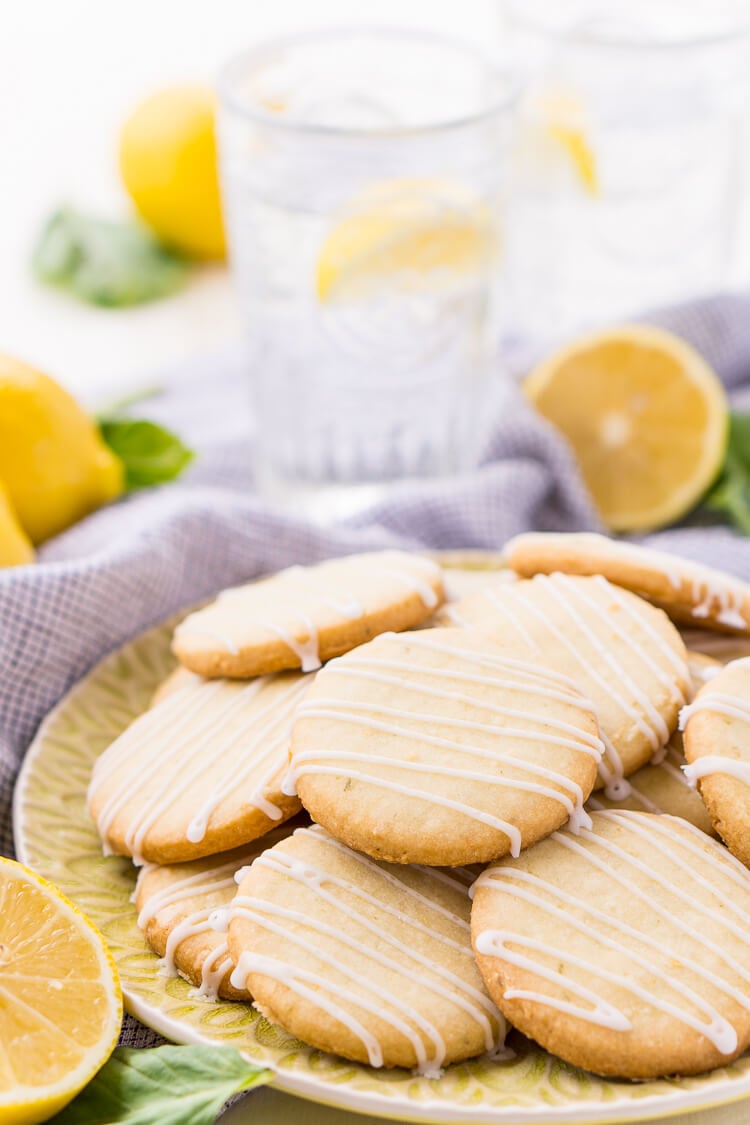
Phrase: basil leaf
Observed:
(730, 495)
(150, 453)
(163, 1086)
(105, 263)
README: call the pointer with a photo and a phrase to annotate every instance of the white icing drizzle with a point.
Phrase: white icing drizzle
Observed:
(386, 950)
(713, 593)
(619, 686)
(543, 894)
(716, 763)
(187, 730)
(719, 702)
(211, 881)
(414, 728)
(307, 590)
(670, 762)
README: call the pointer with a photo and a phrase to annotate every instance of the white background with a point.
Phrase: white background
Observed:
(70, 71)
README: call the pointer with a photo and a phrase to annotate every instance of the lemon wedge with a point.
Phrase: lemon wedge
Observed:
(647, 419)
(416, 233)
(60, 999)
(560, 116)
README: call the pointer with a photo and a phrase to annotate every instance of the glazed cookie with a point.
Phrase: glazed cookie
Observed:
(175, 903)
(688, 591)
(305, 615)
(625, 656)
(369, 961)
(200, 772)
(717, 747)
(437, 747)
(624, 950)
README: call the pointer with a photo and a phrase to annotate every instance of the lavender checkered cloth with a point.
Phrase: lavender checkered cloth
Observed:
(131, 565)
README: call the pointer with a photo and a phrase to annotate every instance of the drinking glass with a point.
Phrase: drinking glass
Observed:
(364, 176)
(630, 158)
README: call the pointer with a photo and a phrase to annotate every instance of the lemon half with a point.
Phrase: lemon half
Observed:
(60, 999)
(647, 419)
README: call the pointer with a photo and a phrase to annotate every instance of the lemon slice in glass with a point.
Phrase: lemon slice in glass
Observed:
(413, 233)
(647, 419)
(60, 999)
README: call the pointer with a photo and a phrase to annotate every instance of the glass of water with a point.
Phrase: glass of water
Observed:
(630, 155)
(364, 177)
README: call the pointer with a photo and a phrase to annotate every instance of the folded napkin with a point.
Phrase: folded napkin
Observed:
(132, 564)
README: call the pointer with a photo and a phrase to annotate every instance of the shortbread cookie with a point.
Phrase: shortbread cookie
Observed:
(450, 613)
(305, 615)
(625, 656)
(717, 747)
(437, 747)
(688, 591)
(177, 905)
(370, 961)
(625, 950)
(199, 773)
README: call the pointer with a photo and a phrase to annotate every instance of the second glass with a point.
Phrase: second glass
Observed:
(364, 177)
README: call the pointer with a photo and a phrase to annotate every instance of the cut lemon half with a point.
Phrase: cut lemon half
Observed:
(417, 233)
(647, 419)
(60, 999)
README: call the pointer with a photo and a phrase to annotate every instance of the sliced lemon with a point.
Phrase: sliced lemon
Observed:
(559, 116)
(60, 999)
(647, 419)
(416, 233)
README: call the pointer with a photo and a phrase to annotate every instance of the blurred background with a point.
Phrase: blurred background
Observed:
(70, 73)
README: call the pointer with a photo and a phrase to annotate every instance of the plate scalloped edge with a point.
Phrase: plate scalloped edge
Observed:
(55, 835)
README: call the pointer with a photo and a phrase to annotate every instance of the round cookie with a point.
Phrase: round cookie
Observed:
(200, 772)
(437, 747)
(717, 747)
(302, 616)
(624, 655)
(363, 959)
(175, 904)
(690, 592)
(624, 950)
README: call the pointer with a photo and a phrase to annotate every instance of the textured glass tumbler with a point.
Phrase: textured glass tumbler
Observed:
(364, 177)
(631, 162)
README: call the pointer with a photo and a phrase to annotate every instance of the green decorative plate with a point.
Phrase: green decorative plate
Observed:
(55, 835)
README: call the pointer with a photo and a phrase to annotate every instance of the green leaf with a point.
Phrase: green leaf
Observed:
(163, 1086)
(730, 495)
(105, 263)
(150, 453)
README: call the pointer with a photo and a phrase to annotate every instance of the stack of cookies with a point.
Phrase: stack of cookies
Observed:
(347, 757)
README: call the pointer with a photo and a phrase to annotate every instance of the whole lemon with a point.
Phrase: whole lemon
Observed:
(169, 167)
(53, 463)
(15, 545)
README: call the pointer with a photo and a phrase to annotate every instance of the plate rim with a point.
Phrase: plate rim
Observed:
(312, 1088)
